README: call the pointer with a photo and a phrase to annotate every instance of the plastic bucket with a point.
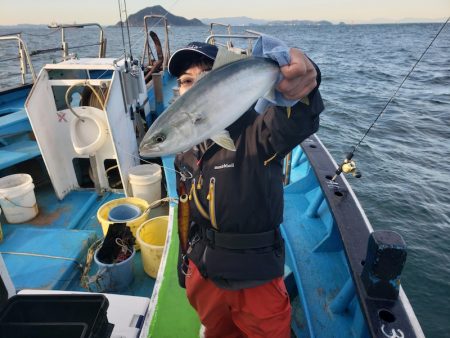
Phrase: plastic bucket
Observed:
(115, 277)
(151, 237)
(17, 198)
(103, 214)
(145, 181)
(124, 213)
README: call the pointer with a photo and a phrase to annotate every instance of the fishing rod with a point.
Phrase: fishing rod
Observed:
(121, 28)
(128, 29)
(348, 165)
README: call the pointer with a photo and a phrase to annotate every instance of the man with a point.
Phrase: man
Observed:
(235, 259)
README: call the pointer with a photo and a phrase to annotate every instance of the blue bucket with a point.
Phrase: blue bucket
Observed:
(117, 276)
(124, 213)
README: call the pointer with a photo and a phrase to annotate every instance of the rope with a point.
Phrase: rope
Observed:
(15, 204)
(42, 255)
(87, 267)
(124, 247)
(157, 202)
(182, 174)
(266, 162)
(85, 83)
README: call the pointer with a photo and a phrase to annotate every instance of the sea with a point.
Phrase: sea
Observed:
(404, 159)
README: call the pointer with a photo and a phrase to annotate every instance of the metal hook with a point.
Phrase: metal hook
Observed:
(185, 177)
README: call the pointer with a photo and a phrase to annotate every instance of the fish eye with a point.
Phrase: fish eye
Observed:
(159, 138)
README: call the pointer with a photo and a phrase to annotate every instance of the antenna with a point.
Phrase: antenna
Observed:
(128, 29)
(121, 27)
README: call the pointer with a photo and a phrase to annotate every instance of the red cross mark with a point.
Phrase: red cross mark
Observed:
(61, 117)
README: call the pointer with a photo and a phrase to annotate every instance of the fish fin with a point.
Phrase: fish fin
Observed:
(224, 56)
(224, 140)
(270, 95)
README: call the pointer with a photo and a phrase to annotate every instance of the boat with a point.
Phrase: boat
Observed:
(343, 277)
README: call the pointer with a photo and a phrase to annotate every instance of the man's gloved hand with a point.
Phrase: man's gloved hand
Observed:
(299, 77)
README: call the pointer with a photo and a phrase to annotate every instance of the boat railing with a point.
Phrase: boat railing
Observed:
(250, 38)
(65, 46)
(23, 56)
(228, 27)
(212, 24)
(147, 50)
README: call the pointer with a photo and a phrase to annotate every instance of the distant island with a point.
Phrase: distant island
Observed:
(137, 20)
(246, 21)
(299, 22)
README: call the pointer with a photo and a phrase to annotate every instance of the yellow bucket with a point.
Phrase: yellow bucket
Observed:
(151, 237)
(103, 213)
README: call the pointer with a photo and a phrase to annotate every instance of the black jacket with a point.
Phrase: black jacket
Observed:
(247, 189)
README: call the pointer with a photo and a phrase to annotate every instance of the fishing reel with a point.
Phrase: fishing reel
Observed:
(348, 166)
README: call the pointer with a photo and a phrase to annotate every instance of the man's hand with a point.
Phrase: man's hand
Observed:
(299, 77)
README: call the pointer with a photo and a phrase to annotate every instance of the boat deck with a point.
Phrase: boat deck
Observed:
(53, 246)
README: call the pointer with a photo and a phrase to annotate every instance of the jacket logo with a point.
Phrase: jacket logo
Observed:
(225, 165)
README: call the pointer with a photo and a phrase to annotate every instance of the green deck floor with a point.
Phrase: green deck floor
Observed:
(174, 316)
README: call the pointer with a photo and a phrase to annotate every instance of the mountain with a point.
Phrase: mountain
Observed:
(137, 19)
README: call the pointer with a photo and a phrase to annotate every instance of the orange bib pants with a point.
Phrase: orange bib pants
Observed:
(261, 311)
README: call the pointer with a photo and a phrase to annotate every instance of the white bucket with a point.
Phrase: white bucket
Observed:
(17, 198)
(145, 181)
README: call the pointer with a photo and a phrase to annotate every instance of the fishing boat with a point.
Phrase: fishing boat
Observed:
(85, 118)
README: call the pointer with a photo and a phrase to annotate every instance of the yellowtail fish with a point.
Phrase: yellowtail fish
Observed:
(214, 102)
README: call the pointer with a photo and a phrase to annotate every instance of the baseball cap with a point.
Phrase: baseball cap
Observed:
(193, 50)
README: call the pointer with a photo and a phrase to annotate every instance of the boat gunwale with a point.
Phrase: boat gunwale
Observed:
(354, 233)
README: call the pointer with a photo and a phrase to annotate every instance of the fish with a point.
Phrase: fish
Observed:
(213, 103)
(183, 217)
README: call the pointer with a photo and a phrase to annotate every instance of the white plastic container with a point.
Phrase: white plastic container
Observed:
(145, 181)
(17, 198)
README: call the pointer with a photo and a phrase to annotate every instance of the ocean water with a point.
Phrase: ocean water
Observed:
(404, 160)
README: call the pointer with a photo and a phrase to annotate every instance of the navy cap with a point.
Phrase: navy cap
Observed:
(192, 51)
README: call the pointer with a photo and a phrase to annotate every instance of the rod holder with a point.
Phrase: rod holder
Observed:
(385, 259)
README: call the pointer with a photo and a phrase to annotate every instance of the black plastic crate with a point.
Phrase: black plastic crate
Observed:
(43, 330)
(60, 309)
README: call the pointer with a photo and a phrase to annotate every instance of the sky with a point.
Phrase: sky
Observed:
(106, 12)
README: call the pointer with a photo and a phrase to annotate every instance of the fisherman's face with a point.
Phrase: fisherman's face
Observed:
(188, 78)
